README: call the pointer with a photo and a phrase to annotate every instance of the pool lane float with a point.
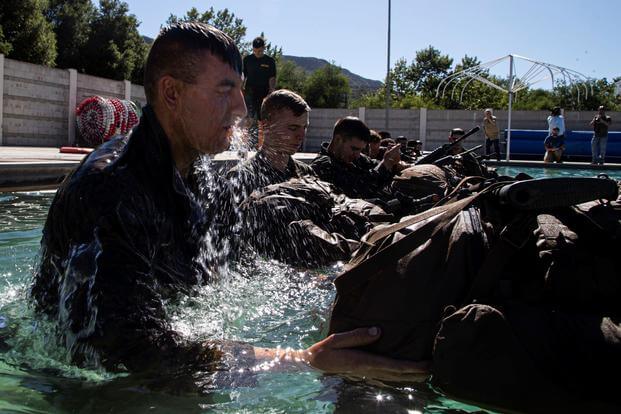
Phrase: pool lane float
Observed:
(99, 119)
(75, 150)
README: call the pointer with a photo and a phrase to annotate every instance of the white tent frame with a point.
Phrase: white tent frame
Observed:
(538, 72)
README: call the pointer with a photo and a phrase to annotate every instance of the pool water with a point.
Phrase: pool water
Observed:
(558, 172)
(264, 303)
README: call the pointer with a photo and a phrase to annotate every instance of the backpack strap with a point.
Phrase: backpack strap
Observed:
(366, 264)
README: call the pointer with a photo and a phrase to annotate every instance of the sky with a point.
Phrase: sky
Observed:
(584, 36)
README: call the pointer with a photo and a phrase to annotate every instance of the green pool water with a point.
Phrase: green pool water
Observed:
(558, 172)
(264, 304)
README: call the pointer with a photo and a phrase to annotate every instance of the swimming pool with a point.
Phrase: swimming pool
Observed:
(542, 172)
(265, 304)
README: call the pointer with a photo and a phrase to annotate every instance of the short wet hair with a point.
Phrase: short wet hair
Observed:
(179, 48)
(258, 42)
(283, 99)
(351, 127)
(387, 142)
(385, 134)
(375, 136)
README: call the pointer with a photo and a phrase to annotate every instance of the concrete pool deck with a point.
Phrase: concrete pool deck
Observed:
(42, 168)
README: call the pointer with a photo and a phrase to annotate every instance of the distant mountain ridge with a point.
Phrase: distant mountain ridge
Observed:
(358, 84)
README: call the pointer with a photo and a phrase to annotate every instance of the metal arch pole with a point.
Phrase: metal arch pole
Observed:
(510, 104)
(387, 72)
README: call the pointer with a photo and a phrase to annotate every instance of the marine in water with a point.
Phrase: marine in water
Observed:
(124, 232)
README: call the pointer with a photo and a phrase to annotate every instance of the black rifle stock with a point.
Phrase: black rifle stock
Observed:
(447, 159)
(443, 151)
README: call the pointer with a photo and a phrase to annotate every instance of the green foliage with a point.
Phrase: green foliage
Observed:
(588, 96)
(415, 85)
(327, 87)
(115, 49)
(290, 76)
(428, 70)
(5, 47)
(26, 34)
(71, 21)
(534, 99)
(401, 80)
(377, 100)
(222, 19)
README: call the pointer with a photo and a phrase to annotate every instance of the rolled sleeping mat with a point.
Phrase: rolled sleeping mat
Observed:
(547, 193)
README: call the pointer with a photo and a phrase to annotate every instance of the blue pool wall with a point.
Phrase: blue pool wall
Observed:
(528, 144)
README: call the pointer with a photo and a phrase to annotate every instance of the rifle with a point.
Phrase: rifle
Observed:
(449, 158)
(444, 150)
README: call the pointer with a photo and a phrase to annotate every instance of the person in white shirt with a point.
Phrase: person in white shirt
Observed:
(556, 120)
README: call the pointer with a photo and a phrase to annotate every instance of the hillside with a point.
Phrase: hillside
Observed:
(357, 83)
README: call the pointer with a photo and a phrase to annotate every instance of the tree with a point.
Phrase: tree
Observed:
(222, 19)
(290, 76)
(115, 49)
(5, 47)
(401, 80)
(26, 34)
(600, 92)
(71, 21)
(327, 87)
(428, 70)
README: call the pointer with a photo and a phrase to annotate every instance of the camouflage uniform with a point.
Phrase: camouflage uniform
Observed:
(365, 179)
(257, 173)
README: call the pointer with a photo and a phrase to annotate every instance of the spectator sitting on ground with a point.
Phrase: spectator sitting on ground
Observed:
(554, 145)
(342, 163)
(283, 125)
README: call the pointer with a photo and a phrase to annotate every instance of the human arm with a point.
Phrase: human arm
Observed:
(338, 354)
(272, 79)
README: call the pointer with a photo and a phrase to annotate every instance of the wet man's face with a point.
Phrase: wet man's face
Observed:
(210, 106)
(348, 150)
(285, 131)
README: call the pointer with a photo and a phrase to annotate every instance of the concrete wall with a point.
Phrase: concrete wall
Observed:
(34, 104)
(38, 103)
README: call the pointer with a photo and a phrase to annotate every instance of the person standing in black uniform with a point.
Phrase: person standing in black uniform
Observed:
(259, 77)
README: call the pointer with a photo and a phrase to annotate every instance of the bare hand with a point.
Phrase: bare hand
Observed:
(392, 157)
(336, 354)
